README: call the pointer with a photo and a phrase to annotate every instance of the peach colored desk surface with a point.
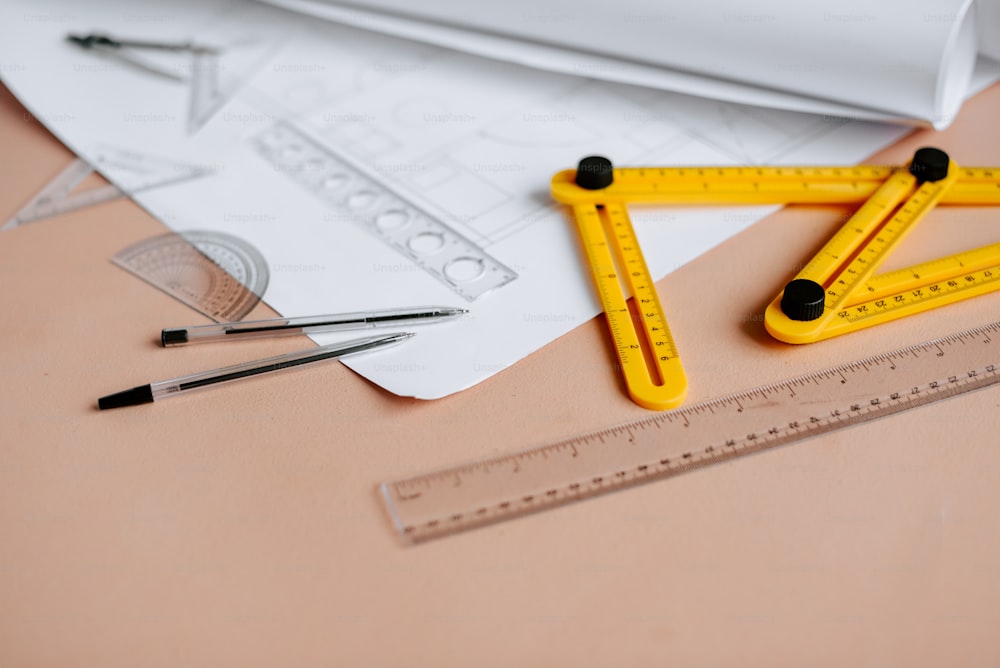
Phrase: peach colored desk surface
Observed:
(241, 527)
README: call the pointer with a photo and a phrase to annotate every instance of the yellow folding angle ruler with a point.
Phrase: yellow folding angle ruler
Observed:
(837, 291)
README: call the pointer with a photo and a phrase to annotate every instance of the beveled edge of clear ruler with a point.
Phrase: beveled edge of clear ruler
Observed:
(458, 262)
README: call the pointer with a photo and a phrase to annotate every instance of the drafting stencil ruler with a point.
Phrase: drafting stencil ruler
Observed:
(135, 172)
(217, 274)
(458, 262)
(666, 444)
(836, 292)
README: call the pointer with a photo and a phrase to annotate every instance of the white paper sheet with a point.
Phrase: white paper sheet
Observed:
(988, 16)
(883, 61)
(472, 141)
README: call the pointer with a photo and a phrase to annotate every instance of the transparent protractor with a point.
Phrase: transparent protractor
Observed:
(217, 274)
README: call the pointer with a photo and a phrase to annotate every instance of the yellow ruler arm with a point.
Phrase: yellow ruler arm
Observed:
(812, 305)
(648, 356)
(643, 343)
(763, 185)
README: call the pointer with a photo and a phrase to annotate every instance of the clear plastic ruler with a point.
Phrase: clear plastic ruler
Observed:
(667, 444)
(458, 262)
(217, 274)
(135, 172)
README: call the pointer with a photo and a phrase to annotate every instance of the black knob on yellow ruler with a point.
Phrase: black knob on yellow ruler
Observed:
(803, 299)
(594, 173)
(929, 164)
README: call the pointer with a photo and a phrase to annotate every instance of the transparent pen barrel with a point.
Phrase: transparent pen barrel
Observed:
(195, 381)
(263, 328)
(177, 336)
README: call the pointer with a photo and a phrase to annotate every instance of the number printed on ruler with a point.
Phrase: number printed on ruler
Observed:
(438, 249)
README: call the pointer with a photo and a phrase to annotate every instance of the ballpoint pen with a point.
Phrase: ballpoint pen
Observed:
(228, 331)
(169, 388)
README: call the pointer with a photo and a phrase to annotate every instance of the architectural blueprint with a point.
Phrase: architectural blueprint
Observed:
(398, 173)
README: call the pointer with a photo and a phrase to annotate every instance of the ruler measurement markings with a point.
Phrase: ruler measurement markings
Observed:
(850, 239)
(947, 291)
(976, 185)
(644, 293)
(601, 234)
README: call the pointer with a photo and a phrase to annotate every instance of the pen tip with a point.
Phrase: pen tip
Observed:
(133, 397)
(395, 338)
